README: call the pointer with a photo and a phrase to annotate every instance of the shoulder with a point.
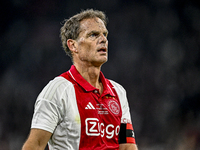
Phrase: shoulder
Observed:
(59, 81)
(121, 92)
(118, 87)
(56, 86)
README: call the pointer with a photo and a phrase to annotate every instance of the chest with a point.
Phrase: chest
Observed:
(99, 115)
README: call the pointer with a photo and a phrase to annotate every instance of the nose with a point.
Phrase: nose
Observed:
(103, 38)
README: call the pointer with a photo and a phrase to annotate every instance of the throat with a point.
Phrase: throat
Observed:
(100, 87)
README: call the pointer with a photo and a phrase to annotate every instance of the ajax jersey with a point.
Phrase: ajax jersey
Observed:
(78, 115)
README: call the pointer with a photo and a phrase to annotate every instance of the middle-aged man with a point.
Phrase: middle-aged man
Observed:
(81, 109)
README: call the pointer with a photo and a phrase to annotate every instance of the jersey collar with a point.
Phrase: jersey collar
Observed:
(76, 76)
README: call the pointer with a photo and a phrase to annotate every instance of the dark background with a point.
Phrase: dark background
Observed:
(154, 52)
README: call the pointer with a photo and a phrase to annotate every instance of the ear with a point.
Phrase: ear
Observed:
(72, 45)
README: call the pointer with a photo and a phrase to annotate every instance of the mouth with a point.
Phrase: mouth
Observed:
(103, 49)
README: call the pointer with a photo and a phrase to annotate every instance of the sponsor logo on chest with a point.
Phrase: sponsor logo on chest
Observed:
(96, 128)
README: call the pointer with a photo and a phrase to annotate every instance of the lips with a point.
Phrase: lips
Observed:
(102, 49)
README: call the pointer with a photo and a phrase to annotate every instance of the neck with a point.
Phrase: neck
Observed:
(90, 74)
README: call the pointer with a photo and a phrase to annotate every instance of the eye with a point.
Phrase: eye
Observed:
(105, 33)
(93, 35)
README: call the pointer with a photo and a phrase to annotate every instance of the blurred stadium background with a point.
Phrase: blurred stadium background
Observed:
(154, 52)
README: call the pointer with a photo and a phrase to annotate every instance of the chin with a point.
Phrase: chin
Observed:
(99, 63)
(104, 60)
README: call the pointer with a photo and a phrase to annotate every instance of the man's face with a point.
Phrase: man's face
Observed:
(92, 42)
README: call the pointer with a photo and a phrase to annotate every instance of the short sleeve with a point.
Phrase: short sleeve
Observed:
(121, 92)
(45, 115)
(126, 134)
(48, 111)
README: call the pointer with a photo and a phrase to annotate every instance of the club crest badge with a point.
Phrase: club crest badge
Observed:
(114, 107)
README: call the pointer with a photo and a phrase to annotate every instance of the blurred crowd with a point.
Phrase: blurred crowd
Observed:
(154, 52)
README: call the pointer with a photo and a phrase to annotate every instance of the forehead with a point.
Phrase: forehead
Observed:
(91, 24)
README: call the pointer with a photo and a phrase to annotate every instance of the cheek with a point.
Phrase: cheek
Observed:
(87, 47)
(85, 52)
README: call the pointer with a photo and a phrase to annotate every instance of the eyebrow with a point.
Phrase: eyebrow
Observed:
(95, 31)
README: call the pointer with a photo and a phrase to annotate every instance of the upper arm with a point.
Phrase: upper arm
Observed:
(126, 134)
(128, 146)
(37, 140)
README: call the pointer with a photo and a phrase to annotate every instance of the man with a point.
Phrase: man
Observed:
(81, 109)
